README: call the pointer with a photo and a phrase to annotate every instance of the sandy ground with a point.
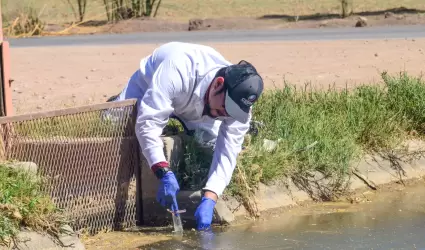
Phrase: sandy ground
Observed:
(57, 77)
(123, 240)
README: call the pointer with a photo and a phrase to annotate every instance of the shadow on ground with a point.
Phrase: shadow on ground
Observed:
(325, 16)
(94, 23)
(98, 23)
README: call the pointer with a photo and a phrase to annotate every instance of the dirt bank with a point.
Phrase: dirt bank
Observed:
(55, 77)
(372, 172)
(389, 17)
(123, 240)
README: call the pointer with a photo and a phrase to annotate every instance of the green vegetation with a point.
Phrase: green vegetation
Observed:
(193, 172)
(322, 131)
(24, 204)
(343, 124)
(97, 123)
(93, 124)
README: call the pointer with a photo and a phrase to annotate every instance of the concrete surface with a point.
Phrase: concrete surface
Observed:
(375, 168)
(29, 167)
(380, 170)
(30, 240)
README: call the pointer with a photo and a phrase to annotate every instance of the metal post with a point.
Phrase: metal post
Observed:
(1, 27)
(5, 92)
(5, 89)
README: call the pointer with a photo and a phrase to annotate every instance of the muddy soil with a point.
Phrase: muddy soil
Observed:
(123, 240)
(47, 78)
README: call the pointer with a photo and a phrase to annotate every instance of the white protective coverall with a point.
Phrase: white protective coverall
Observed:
(173, 81)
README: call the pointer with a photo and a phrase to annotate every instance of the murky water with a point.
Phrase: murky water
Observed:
(393, 220)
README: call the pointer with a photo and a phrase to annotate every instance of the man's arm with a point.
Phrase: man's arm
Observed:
(155, 108)
(228, 146)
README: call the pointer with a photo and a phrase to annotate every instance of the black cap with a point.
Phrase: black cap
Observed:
(243, 87)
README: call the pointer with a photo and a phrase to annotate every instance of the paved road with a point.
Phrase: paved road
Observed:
(414, 31)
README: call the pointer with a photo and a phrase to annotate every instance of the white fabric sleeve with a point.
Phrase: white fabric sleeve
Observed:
(228, 146)
(155, 108)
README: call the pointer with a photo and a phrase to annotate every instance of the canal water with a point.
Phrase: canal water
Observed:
(394, 219)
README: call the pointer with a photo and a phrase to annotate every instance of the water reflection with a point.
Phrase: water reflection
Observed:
(394, 221)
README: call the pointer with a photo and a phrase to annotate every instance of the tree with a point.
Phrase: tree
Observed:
(344, 8)
(81, 4)
(125, 9)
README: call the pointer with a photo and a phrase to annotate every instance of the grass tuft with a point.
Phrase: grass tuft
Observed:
(23, 21)
(406, 96)
(24, 204)
(340, 126)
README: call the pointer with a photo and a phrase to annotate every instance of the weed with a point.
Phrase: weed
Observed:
(24, 204)
(26, 23)
(192, 173)
(405, 95)
(342, 125)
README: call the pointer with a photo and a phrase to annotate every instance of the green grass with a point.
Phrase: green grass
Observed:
(78, 127)
(320, 131)
(344, 124)
(24, 204)
(98, 123)
(92, 124)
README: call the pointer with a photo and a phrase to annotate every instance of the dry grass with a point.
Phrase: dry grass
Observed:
(23, 203)
(59, 11)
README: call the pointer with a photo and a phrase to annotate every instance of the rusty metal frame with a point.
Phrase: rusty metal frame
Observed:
(122, 174)
(6, 108)
(6, 82)
(67, 111)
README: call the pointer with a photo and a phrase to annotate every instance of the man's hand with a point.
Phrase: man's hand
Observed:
(167, 191)
(204, 212)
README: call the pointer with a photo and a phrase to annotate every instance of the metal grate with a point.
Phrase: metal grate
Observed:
(88, 156)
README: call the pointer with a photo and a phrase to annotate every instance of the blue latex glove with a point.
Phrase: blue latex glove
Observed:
(204, 213)
(167, 191)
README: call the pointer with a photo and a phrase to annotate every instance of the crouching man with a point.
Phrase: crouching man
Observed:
(198, 86)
